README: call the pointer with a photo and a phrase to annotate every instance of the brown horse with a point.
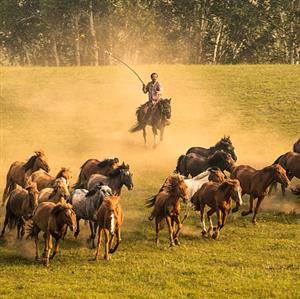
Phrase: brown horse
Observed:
(296, 147)
(167, 206)
(58, 194)
(19, 172)
(256, 183)
(109, 219)
(19, 208)
(218, 197)
(93, 166)
(290, 161)
(193, 164)
(45, 180)
(53, 220)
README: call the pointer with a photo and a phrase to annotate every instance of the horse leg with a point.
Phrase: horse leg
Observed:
(99, 243)
(157, 231)
(282, 191)
(187, 212)
(244, 213)
(145, 136)
(48, 247)
(93, 233)
(77, 229)
(22, 227)
(118, 233)
(209, 214)
(217, 230)
(36, 241)
(19, 227)
(106, 234)
(204, 231)
(5, 224)
(179, 226)
(259, 200)
(154, 130)
(162, 129)
(168, 219)
(56, 248)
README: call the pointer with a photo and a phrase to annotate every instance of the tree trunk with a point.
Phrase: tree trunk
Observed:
(94, 38)
(54, 49)
(217, 44)
(77, 38)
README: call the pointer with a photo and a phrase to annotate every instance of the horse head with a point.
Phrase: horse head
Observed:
(178, 182)
(33, 195)
(280, 175)
(225, 144)
(165, 107)
(60, 186)
(65, 214)
(222, 160)
(126, 176)
(41, 161)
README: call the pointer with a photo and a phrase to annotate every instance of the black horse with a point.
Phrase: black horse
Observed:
(224, 144)
(155, 116)
(193, 164)
(296, 147)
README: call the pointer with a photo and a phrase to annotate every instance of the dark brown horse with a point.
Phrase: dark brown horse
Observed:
(93, 166)
(193, 164)
(156, 117)
(290, 161)
(53, 220)
(167, 206)
(19, 208)
(115, 180)
(45, 180)
(256, 183)
(19, 172)
(109, 219)
(224, 144)
(218, 197)
(296, 147)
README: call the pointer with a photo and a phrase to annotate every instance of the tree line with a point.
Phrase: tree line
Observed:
(77, 32)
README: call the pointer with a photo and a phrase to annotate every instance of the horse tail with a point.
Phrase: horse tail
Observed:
(8, 187)
(137, 127)
(150, 202)
(31, 231)
(181, 165)
(296, 190)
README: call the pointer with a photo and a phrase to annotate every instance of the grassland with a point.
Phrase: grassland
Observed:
(78, 113)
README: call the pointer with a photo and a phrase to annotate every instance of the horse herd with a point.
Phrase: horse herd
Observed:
(49, 204)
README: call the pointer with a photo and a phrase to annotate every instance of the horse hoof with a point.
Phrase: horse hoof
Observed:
(254, 221)
(172, 244)
(245, 213)
(177, 242)
(46, 263)
(215, 235)
(107, 257)
(204, 233)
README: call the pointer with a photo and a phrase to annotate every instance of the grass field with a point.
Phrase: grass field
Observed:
(78, 113)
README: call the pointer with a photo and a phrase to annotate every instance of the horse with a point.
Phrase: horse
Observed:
(45, 180)
(86, 203)
(217, 195)
(296, 147)
(195, 183)
(58, 194)
(19, 172)
(224, 144)
(115, 180)
(109, 219)
(93, 166)
(53, 219)
(256, 183)
(193, 164)
(156, 116)
(167, 206)
(19, 208)
(290, 161)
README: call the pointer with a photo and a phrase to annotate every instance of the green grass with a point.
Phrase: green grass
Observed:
(80, 113)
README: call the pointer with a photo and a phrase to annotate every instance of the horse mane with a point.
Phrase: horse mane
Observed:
(223, 186)
(217, 156)
(95, 189)
(59, 175)
(59, 208)
(29, 164)
(117, 171)
(107, 162)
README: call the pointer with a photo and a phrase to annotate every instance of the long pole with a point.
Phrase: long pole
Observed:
(118, 59)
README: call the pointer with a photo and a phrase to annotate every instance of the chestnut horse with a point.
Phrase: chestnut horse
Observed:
(19, 208)
(167, 206)
(224, 144)
(93, 166)
(296, 147)
(290, 161)
(256, 183)
(109, 218)
(58, 194)
(45, 180)
(53, 220)
(217, 195)
(19, 172)
(193, 164)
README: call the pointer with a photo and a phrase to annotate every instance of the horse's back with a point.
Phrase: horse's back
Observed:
(94, 179)
(41, 215)
(244, 173)
(198, 150)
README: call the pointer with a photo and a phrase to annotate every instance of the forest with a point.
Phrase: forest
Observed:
(77, 32)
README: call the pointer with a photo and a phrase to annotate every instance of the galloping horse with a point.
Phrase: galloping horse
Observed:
(115, 179)
(167, 206)
(53, 220)
(45, 180)
(93, 166)
(224, 144)
(256, 183)
(193, 164)
(156, 117)
(218, 197)
(290, 161)
(19, 172)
